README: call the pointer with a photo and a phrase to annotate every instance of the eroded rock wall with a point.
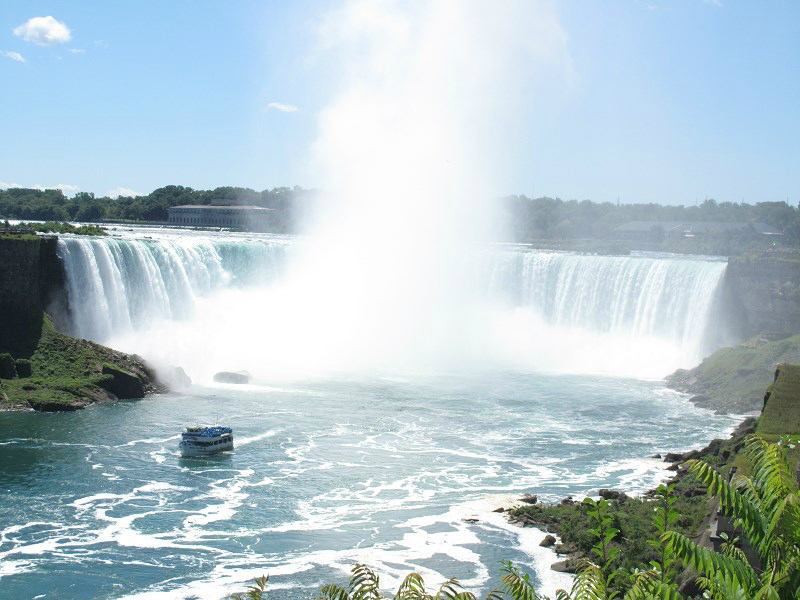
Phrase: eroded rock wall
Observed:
(765, 290)
(31, 273)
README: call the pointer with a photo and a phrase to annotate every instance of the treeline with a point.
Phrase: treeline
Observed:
(530, 219)
(553, 218)
(53, 205)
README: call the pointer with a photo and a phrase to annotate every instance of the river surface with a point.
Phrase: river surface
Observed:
(99, 504)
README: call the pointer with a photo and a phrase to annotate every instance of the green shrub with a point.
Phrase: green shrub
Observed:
(7, 368)
(23, 367)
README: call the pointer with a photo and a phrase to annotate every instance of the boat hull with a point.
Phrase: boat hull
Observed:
(191, 450)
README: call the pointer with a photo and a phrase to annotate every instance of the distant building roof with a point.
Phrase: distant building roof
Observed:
(647, 226)
(221, 206)
(694, 227)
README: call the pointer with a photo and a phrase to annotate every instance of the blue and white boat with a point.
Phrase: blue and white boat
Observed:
(205, 441)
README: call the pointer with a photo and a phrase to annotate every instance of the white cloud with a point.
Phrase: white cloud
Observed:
(122, 191)
(77, 51)
(13, 56)
(713, 2)
(6, 186)
(45, 31)
(288, 108)
(67, 188)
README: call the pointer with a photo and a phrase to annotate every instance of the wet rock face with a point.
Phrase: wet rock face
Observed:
(31, 273)
(124, 384)
(767, 288)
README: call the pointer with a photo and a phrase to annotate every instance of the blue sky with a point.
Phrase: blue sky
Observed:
(665, 101)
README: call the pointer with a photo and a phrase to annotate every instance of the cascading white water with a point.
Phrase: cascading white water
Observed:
(638, 296)
(635, 315)
(116, 285)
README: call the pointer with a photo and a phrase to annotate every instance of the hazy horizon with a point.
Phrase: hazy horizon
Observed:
(636, 102)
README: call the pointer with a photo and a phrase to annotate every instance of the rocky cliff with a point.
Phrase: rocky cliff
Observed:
(40, 367)
(764, 293)
(31, 273)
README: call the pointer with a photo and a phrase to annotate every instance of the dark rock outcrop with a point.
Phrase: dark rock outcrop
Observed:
(8, 369)
(607, 494)
(31, 272)
(238, 377)
(124, 384)
(569, 565)
(548, 541)
(23, 368)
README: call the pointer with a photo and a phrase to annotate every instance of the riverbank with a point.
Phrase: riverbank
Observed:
(568, 519)
(733, 379)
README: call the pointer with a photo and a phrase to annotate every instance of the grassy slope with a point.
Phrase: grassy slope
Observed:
(49, 227)
(66, 372)
(781, 415)
(734, 379)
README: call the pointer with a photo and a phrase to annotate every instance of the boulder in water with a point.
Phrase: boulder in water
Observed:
(571, 565)
(232, 377)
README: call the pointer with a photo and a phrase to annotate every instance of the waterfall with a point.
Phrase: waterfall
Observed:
(235, 298)
(115, 284)
(668, 298)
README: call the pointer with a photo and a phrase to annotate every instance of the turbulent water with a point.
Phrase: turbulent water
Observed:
(98, 504)
(330, 468)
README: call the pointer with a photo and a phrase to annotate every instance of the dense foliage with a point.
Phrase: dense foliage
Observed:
(530, 219)
(53, 205)
(553, 218)
(764, 507)
(51, 227)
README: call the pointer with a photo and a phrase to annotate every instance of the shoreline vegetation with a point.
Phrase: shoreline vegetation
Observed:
(570, 520)
(45, 370)
(54, 227)
(543, 222)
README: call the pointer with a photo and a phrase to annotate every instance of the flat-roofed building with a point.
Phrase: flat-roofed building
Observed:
(652, 230)
(254, 218)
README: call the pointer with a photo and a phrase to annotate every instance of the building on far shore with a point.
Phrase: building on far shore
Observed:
(254, 218)
(650, 230)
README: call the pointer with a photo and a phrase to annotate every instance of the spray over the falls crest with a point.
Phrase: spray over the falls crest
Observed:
(397, 271)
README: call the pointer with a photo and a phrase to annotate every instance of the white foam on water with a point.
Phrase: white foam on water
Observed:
(243, 441)
(152, 440)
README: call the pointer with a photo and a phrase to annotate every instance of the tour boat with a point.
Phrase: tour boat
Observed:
(205, 441)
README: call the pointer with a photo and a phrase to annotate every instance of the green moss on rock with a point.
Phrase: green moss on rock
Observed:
(67, 373)
(23, 366)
